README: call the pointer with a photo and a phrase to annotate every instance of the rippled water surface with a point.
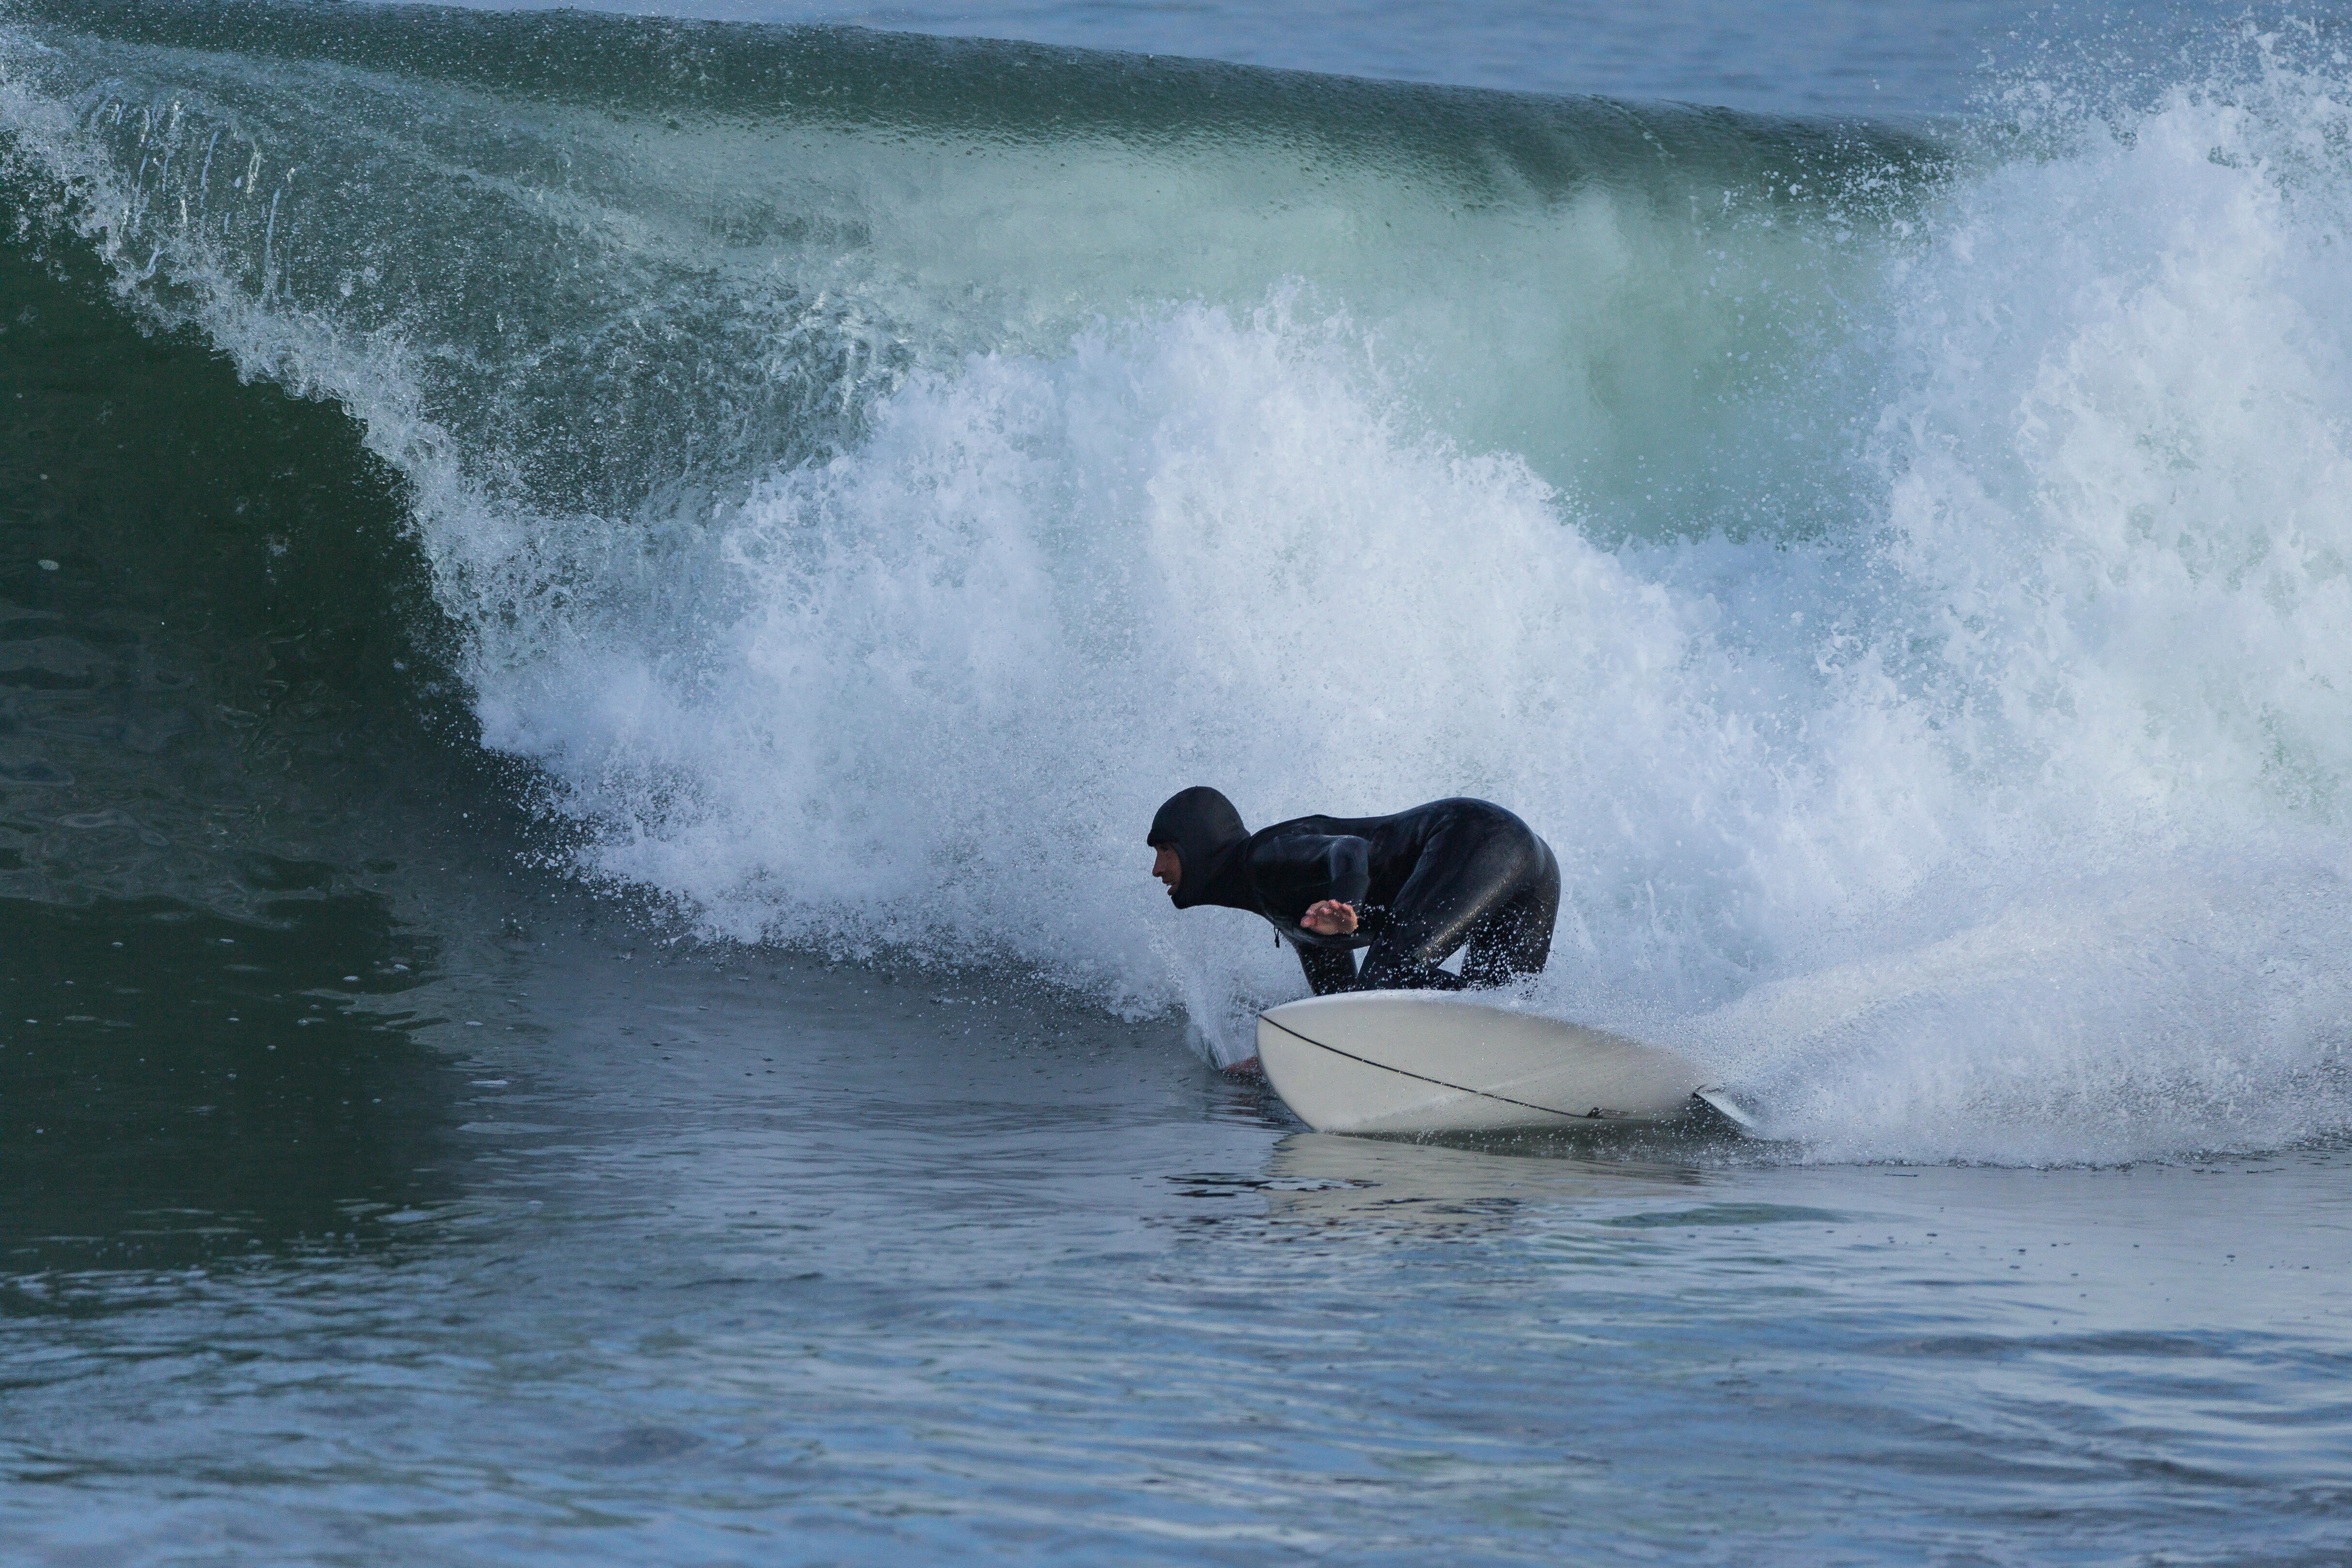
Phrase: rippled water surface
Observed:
(684, 1261)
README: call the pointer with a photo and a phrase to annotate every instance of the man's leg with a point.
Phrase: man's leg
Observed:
(1471, 873)
(1328, 969)
(1515, 941)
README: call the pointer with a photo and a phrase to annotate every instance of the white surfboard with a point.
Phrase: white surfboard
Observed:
(1430, 1061)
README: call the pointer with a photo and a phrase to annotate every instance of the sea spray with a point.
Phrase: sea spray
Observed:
(2115, 528)
(973, 654)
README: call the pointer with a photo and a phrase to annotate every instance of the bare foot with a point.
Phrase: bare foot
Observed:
(1243, 1069)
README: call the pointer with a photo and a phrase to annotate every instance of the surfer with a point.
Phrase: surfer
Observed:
(1412, 887)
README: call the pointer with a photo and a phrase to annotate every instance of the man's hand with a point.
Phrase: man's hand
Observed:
(1329, 917)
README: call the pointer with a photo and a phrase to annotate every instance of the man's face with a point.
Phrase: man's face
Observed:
(1167, 867)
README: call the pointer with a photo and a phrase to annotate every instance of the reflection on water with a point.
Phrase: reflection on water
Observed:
(1325, 1178)
(648, 1256)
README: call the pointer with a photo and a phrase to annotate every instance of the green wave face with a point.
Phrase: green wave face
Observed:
(590, 261)
(218, 633)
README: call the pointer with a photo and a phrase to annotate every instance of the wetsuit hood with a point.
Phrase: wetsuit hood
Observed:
(1206, 832)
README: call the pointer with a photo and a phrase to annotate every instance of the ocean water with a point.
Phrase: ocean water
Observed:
(593, 606)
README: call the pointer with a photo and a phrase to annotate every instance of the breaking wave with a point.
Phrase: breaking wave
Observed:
(1903, 573)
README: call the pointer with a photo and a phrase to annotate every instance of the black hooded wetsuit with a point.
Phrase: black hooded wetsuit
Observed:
(1423, 883)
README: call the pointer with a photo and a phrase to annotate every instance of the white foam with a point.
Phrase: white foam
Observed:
(2119, 514)
(973, 654)
(2015, 837)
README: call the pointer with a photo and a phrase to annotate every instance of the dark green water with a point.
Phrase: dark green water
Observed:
(233, 757)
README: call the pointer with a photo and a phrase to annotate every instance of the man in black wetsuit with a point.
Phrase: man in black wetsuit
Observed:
(1412, 887)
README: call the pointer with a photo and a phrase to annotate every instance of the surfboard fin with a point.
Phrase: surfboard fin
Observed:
(1723, 1105)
